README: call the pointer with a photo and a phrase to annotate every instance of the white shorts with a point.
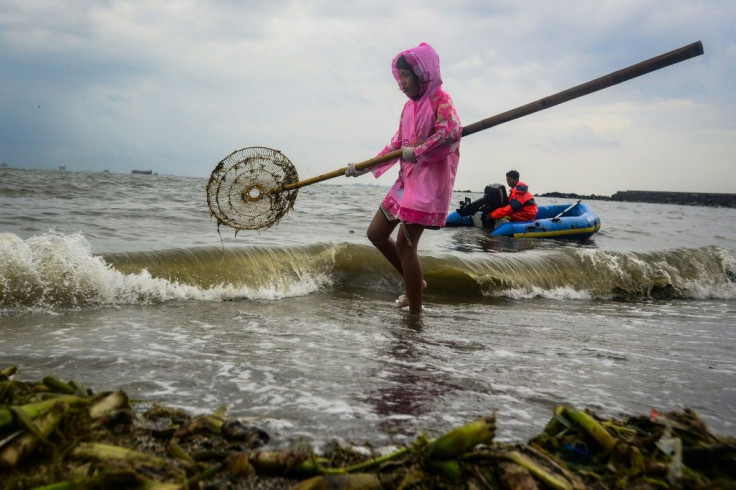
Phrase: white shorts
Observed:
(389, 216)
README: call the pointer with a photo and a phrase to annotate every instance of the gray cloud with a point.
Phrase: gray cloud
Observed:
(176, 86)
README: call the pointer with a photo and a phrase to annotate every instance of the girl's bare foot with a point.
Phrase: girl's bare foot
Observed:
(402, 301)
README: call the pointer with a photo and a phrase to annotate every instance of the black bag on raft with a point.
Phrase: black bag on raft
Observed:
(494, 197)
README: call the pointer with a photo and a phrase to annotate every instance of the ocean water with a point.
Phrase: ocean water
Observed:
(125, 281)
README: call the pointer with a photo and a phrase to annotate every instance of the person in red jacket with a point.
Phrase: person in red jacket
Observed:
(521, 206)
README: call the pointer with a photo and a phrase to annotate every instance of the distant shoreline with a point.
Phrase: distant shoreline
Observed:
(718, 200)
(711, 199)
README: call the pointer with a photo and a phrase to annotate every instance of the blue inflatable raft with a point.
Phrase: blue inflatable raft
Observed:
(574, 221)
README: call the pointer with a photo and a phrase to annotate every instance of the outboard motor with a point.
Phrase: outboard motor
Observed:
(494, 197)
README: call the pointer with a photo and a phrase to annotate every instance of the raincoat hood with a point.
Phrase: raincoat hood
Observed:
(425, 64)
(429, 123)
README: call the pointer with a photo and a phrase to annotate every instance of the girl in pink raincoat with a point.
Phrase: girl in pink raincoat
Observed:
(429, 137)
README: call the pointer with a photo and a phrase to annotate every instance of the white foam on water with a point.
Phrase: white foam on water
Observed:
(334, 406)
(562, 292)
(59, 270)
(161, 388)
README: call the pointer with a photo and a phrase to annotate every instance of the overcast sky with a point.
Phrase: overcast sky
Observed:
(176, 86)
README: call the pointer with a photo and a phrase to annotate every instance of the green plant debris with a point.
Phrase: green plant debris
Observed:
(57, 436)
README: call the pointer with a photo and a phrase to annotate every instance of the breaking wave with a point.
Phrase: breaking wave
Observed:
(53, 271)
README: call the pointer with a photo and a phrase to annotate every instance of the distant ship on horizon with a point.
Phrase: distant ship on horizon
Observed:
(62, 166)
(143, 172)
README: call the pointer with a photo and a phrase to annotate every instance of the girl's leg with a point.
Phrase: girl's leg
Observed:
(379, 233)
(411, 265)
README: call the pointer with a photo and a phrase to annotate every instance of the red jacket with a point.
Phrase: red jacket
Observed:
(521, 206)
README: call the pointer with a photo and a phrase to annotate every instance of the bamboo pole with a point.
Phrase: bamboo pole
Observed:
(458, 441)
(8, 372)
(371, 463)
(58, 386)
(549, 479)
(614, 78)
(26, 443)
(116, 400)
(604, 439)
(8, 420)
(103, 452)
(657, 63)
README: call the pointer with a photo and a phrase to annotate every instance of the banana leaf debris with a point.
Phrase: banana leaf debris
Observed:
(57, 435)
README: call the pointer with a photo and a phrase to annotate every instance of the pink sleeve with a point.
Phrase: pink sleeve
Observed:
(447, 131)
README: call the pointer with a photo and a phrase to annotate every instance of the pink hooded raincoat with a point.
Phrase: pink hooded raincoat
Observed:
(423, 190)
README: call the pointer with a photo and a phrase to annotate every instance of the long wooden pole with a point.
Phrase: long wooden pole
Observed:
(614, 78)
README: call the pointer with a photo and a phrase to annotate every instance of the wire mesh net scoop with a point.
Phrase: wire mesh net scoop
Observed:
(246, 189)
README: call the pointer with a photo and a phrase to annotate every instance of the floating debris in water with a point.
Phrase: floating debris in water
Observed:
(57, 435)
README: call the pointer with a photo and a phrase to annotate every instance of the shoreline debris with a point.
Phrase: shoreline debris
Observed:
(57, 436)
